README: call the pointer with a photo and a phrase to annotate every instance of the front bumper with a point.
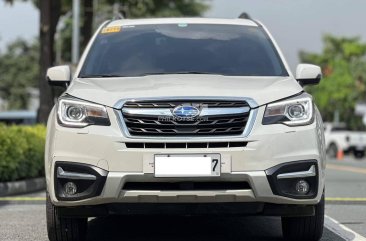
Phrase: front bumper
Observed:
(184, 209)
(116, 190)
(105, 148)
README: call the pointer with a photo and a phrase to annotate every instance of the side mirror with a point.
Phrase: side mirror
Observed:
(59, 75)
(308, 74)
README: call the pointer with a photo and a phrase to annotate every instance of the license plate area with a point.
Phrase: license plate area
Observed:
(192, 165)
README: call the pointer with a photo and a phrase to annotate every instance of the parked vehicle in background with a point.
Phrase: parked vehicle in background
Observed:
(18, 117)
(339, 138)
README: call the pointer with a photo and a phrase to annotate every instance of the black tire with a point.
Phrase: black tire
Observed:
(305, 228)
(64, 229)
(332, 150)
(359, 154)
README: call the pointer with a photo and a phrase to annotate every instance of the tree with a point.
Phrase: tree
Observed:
(19, 71)
(88, 16)
(52, 10)
(344, 69)
(161, 8)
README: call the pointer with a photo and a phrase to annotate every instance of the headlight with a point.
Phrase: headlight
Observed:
(77, 113)
(292, 112)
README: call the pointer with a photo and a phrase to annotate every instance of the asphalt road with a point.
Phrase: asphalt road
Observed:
(27, 222)
(346, 193)
(23, 218)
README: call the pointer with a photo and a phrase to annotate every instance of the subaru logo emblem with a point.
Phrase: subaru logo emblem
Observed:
(186, 111)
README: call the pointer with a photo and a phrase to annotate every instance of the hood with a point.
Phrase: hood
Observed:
(108, 91)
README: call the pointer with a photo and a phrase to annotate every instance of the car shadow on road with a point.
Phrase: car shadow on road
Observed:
(184, 229)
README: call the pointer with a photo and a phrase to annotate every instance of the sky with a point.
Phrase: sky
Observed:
(295, 24)
(20, 20)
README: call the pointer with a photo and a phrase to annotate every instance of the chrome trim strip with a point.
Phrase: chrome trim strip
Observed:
(74, 175)
(168, 112)
(310, 173)
(146, 111)
(251, 120)
(250, 123)
(224, 111)
(250, 101)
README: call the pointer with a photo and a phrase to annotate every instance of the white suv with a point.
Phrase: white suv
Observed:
(186, 116)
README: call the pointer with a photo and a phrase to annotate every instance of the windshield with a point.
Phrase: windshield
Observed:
(233, 50)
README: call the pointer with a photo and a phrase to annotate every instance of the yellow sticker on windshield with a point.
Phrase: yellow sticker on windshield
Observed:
(114, 29)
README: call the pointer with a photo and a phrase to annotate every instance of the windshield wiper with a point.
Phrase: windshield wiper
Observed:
(102, 76)
(181, 72)
(146, 74)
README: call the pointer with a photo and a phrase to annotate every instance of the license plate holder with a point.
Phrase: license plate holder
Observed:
(187, 165)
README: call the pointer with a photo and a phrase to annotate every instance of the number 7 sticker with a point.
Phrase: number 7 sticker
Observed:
(215, 163)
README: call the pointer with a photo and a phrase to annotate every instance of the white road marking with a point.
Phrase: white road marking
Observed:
(341, 230)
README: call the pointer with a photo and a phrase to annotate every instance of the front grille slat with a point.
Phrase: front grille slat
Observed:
(185, 145)
(225, 124)
(143, 121)
(237, 130)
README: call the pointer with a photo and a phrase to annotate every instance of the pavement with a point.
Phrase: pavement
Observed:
(23, 217)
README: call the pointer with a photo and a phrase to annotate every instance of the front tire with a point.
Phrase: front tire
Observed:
(305, 228)
(64, 229)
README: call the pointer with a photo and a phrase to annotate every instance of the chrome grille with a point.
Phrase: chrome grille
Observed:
(173, 104)
(228, 118)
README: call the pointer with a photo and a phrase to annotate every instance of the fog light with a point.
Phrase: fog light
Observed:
(302, 187)
(70, 189)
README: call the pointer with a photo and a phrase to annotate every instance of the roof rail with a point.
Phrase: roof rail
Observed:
(118, 16)
(245, 15)
(118, 11)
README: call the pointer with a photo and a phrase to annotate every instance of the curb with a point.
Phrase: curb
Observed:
(21, 187)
